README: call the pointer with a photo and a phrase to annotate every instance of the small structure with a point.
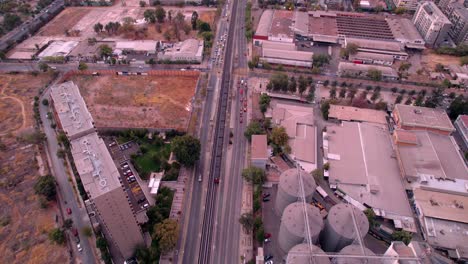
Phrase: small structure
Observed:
(259, 151)
(155, 182)
(190, 50)
(289, 188)
(371, 58)
(340, 228)
(462, 127)
(410, 117)
(137, 46)
(304, 253)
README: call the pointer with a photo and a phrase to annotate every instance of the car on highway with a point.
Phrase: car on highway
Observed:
(269, 262)
(268, 240)
(216, 180)
(266, 199)
(267, 235)
(268, 257)
(266, 195)
(69, 211)
(75, 232)
(78, 246)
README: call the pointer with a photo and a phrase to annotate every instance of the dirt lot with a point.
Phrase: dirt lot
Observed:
(23, 224)
(65, 20)
(429, 59)
(139, 101)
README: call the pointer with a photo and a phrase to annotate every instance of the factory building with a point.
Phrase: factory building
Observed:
(349, 113)
(355, 250)
(410, 117)
(58, 49)
(289, 188)
(431, 23)
(293, 225)
(462, 127)
(304, 253)
(349, 69)
(190, 50)
(340, 228)
(259, 151)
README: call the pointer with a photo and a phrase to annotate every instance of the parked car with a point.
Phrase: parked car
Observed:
(69, 211)
(216, 180)
(79, 247)
(268, 257)
(75, 232)
(266, 199)
(267, 240)
(266, 195)
(267, 235)
(269, 262)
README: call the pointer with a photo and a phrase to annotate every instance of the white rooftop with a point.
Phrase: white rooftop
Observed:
(137, 45)
(71, 109)
(58, 48)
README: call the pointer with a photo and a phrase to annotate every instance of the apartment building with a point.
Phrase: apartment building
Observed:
(457, 14)
(407, 4)
(431, 23)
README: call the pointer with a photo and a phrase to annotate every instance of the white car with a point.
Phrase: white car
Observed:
(79, 247)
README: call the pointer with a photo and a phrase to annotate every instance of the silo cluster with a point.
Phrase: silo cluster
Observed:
(293, 225)
(355, 250)
(306, 254)
(340, 231)
(289, 189)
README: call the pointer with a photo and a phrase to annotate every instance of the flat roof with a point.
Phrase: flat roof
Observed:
(58, 48)
(430, 154)
(404, 29)
(373, 56)
(386, 45)
(349, 66)
(264, 23)
(442, 205)
(363, 27)
(71, 109)
(445, 234)
(418, 116)
(362, 164)
(259, 147)
(323, 25)
(349, 113)
(95, 165)
(288, 54)
(281, 24)
(298, 120)
(187, 47)
(137, 45)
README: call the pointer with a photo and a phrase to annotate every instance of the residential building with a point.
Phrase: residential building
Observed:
(431, 23)
(349, 113)
(361, 70)
(362, 167)
(190, 50)
(298, 120)
(425, 154)
(100, 179)
(259, 151)
(70, 111)
(410, 5)
(410, 117)
(457, 14)
(461, 123)
(444, 220)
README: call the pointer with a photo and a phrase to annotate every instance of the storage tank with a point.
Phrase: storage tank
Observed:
(293, 227)
(355, 249)
(339, 229)
(289, 190)
(304, 254)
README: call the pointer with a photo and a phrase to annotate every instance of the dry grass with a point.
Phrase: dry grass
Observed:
(429, 59)
(138, 101)
(208, 16)
(64, 21)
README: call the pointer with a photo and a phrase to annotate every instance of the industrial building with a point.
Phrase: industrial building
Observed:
(70, 111)
(356, 250)
(349, 113)
(457, 14)
(410, 5)
(97, 170)
(379, 47)
(259, 151)
(304, 253)
(345, 223)
(58, 49)
(349, 69)
(293, 228)
(424, 154)
(431, 23)
(371, 58)
(415, 252)
(136, 46)
(289, 188)
(100, 179)
(190, 50)
(410, 117)
(444, 220)
(363, 167)
(404, 32)
(461, 124)
(285, 54)
(298, 120)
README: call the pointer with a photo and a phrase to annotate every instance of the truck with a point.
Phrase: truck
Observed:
(322, 192)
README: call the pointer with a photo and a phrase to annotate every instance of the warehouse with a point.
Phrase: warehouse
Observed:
(349, 113)
(58, 49)
(190, 50)
(349, 69)
(410, 117)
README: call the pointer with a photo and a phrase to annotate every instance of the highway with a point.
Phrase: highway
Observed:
(79, 214)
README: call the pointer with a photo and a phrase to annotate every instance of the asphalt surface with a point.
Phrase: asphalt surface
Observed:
(79, 214)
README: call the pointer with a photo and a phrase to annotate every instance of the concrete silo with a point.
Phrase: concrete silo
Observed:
(340, 230)
(293, 227)
(289, 190)
(355, 250)
(304, 254)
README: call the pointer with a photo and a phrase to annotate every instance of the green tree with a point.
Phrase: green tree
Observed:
(371, 217)
(105, 51)
(464, 60)
(260, 234)
(167, 233)
(292, 86)
(325, 107)
(160, 14)
(101, 243)
(150, 16)
(87, 231)
(333, 92)
(186, 149)
(45, 186)
(142, 3)
(279, 136)
(45, 102)
(247, 221)
(43, 66)
(402, 235)
(254, 175)
(351, 49)
(264, 102)
(400, 10)
(342, 93)
(194, 20)
(98, 27)
(57, 236)
(68, 223)
(459, 106)
(82, 66)
(399, 99)
(320, 60)
(10, 21)
(254, 128)
(279, 82)
(374, 74)
(302, 84)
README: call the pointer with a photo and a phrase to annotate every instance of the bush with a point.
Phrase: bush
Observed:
(45, 186)
(45, 102)
(57, 236)
(260, 234)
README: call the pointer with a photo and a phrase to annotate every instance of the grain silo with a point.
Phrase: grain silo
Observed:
(355, 250)
(306, 254)
(340, 230)
(293, 225)
(289, 189)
